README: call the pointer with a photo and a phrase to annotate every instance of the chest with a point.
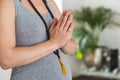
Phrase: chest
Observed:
(30, 28)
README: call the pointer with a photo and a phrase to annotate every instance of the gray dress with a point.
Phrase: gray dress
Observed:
(30, 30)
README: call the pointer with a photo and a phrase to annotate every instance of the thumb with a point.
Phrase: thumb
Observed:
(54, 22)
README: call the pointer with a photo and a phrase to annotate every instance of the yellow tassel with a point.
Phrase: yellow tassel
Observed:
(64, 70)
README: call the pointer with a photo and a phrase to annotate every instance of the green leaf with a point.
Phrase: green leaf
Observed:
(97, 19)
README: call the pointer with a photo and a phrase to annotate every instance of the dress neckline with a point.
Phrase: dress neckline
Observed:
(32, 11)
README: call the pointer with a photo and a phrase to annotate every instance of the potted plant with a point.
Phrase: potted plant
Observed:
(90, 23)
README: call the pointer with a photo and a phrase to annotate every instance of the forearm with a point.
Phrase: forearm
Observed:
(70, 47)
(24, 55)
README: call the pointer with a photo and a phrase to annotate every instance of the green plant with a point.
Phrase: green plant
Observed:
(91, 22)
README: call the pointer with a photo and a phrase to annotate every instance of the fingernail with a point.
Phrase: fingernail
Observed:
(71, 15)
(72, 24)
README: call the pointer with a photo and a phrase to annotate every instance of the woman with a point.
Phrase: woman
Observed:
(32, 43)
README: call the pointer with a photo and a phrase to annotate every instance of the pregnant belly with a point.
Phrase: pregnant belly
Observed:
(47, 68)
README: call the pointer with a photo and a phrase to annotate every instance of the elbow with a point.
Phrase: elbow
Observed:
(6, 60)
(5, 67)
(5, 64)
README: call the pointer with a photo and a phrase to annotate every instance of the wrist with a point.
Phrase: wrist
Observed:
(54, 43)
(66, 43)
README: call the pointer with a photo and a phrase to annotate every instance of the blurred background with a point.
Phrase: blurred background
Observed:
(97, 32)
(98, 35)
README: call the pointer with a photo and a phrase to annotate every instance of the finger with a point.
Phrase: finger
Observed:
(68, 23)
(64, 20)
(56, 24)
(53, 24)
(61, 18)
(71, 27)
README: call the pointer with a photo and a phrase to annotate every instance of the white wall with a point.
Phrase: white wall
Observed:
(59, 3)
(77, 4)
(110, 38)
(5, 74)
